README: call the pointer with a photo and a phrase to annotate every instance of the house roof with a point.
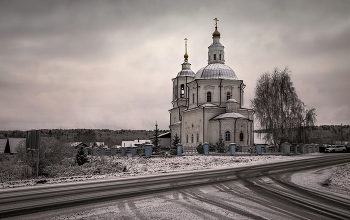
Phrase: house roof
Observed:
(165, 135)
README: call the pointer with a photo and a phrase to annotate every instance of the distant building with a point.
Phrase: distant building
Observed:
(97, 144)
(13, 143)
(134, 143)
(77, 144)
(165, 139)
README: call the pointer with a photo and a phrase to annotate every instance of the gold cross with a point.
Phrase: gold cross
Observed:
(216, 22)
(186, 55)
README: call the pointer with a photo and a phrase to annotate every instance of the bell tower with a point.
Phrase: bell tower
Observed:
(186, 75)
(216, 52)
(180, 95)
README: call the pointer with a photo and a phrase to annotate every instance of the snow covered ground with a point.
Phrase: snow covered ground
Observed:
(113, 168)
(333, 179)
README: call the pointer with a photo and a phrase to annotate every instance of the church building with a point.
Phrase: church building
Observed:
(208, 106)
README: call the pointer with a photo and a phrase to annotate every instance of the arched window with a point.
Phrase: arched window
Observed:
(208, 96)
(228, 95)
(182, 91)
(187, 139)
(227, 136)
(197, 137)
(193, 98)
(192, 138)
(214, 56)
(219, 56)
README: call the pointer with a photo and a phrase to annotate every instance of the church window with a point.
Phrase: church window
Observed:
(193, 98)
(214, 56)
(228, 95)
(208, 96)
(182, 91)
(227, 136)
(192, 138)
(197, 137)
(187, 139)
(219, 56)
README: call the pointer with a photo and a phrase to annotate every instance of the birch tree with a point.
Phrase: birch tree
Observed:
(278, 110)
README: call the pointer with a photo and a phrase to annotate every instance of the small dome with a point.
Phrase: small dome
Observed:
(186, 72)
(216, 71)
(216, 33)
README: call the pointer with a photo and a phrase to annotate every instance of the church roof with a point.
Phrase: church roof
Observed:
(186, 69)
(186, 72)
(208, 105)
(228, 115)
(216, 71)
(232, 100)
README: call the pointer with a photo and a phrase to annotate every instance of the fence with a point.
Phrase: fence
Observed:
(285, 149)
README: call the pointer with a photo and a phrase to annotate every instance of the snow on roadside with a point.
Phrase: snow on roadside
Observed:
(334, 179)
(145, 166)
(341, 176)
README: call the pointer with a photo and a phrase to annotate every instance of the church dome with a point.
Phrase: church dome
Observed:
(186, 72)
(216, 71)
(216, 33)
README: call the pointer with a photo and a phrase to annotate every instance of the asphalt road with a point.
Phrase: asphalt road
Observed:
(254, 192)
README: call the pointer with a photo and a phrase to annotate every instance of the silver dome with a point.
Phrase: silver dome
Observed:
(186, 72)
(216, 71)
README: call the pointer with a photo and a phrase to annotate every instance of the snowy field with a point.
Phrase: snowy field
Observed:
(114, 168)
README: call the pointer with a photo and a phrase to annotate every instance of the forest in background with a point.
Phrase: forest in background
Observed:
(109, 137)
(323, 134)
(326, 134)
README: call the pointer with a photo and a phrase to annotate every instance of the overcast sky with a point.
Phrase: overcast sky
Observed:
(109, 64)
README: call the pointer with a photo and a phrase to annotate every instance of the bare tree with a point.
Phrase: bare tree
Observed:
(278, 109)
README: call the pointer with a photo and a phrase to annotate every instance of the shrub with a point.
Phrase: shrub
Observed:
(81, 157)
(200, 148)
(220, 147)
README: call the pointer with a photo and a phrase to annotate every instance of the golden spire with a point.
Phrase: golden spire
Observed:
(216, 32)
(186, 55)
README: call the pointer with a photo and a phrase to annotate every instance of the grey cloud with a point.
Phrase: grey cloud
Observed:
(109, 64)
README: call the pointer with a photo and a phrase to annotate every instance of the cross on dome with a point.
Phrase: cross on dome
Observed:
(216, 32)
(216, 23)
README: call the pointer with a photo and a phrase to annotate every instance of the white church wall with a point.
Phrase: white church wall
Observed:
(228, 125)
(235, 89)
(241, 127)
(193, 125)
(211, 135)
